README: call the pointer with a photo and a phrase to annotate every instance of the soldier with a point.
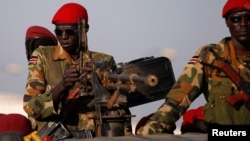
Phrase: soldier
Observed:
(202, 75)
(54, 74)
(38, 36)
(35, 36)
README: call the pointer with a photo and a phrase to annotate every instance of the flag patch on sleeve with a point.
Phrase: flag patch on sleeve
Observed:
(33, 59)
(194, 60)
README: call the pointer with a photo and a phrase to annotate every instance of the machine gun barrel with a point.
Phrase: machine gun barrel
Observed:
(127, 82)
(150, 80)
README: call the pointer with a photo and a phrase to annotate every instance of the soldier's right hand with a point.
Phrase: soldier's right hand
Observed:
(70, 76)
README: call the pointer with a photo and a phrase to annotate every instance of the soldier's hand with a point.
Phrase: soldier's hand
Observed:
(85, 73)
(71, 76)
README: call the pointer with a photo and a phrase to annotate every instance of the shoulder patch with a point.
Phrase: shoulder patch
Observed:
(194, 60)
(33, 59)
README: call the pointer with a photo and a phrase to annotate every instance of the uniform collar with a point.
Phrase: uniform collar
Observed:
(60, 54)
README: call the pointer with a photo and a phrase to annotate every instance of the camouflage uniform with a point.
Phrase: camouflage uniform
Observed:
(46, 69)
(198, 78)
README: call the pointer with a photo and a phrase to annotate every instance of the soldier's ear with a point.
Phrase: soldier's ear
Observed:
(87, 27)
(227, 22)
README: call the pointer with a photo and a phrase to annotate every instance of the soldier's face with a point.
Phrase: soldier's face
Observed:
(67, 36)
(238, 22)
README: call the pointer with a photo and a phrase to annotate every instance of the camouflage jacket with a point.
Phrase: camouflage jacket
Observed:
(202, 78)
(46, 69)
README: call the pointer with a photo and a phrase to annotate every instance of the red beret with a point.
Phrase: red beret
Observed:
(15, 123)
(39, 31)
(70, 13)
(1, 114)
(190, 117)
(235, 4)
